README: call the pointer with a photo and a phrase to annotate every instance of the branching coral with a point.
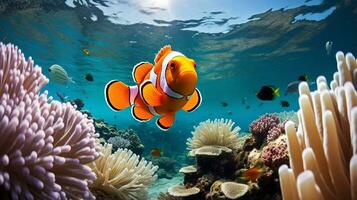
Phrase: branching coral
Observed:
(325, 141)
(260, 127)
(44, 145)
(123, 174)
(218, 132)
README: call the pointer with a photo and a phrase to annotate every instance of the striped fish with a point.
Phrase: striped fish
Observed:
(59, 75)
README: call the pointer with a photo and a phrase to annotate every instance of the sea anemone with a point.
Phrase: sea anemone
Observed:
(219, 132)
(323, 150)
(17, 74)
(44, 144)
(122, 174)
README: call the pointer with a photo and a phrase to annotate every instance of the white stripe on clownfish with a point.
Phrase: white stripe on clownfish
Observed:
(163, 82)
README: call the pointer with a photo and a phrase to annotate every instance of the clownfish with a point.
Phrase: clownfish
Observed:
(161, 89)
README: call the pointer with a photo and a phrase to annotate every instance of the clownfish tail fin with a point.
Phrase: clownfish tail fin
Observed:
(119, 96)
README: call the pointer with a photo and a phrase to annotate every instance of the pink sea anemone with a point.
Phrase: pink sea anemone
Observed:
(44, 144)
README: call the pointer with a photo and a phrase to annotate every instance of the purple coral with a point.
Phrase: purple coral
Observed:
(44, 144)
(275, 132)
(260, 127)
(276, 153)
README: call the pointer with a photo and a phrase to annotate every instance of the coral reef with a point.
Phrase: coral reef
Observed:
(167, 166)
(108, 131)
(44, 144)
(119, 142)
(265, 129)
(239, 169)
(184, 192)
(260, 127)
(276, 153)
(275, 132)
(233, 190)
(323, 148)
(122, 173)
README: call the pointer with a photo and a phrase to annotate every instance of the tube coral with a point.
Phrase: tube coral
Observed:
(323, 149)
(44, 144)
(123, 174)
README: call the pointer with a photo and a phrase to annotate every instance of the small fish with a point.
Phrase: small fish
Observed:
(261, 104)
(59, 75)
(61, 96)
(252, 174)
(89, 77)
(224, 104)
(293, 87)
(86, 51)
(303, 78)
(229, 113)
(155, 152)
(247, 107)
(162, 89)
(268, 93)
(328, 47)
(284, 103)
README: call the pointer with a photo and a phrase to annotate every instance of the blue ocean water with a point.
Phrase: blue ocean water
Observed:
(238, 47)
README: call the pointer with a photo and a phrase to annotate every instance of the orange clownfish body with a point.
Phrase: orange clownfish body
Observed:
(162, 89)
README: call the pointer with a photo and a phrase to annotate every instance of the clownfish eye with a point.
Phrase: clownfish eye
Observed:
(172, 65)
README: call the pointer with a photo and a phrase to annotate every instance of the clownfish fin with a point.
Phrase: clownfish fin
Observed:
(141, 114)
(150, 95)
(163, 51)
(165, 122)
(140, 71)
(117, 95)
(194, 102)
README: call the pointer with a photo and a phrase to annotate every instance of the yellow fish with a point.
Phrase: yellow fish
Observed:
(86, 51)
(161, 89)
